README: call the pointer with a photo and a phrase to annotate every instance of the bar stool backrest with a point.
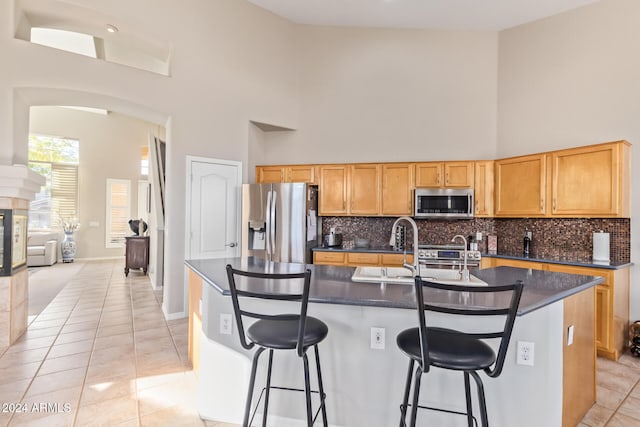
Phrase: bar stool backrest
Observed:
(505, 306)
(295, 279)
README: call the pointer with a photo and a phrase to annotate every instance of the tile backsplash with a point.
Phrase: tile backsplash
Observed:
(552, 237)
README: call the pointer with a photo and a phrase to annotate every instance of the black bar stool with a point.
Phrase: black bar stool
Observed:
(278, 332)
(453, 349)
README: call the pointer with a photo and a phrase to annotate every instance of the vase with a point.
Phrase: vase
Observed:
(68, 247)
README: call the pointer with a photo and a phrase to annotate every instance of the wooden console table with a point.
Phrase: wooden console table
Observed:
(137, 253)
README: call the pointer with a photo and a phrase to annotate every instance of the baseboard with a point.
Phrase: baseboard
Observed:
(173, 316)
(106, 258)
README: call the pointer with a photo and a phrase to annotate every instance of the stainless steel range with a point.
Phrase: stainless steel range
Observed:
(446, 255)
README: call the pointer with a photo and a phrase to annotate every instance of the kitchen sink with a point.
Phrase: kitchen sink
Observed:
(403, 275)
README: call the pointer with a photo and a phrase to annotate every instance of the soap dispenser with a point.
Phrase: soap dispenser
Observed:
(527, 243)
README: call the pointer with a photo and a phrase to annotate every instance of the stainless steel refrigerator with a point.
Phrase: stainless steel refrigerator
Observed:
(280, 222)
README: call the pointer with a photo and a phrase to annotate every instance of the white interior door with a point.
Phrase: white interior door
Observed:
(214, 196)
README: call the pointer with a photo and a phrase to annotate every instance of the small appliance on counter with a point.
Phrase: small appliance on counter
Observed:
(332, 239)
(601, 247)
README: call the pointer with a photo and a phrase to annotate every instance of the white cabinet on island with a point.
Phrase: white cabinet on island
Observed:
(364, 386)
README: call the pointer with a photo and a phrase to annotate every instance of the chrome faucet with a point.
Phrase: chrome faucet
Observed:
(413, 267)
(464, 273)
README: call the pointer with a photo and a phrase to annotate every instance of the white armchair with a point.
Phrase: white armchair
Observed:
(42, 248)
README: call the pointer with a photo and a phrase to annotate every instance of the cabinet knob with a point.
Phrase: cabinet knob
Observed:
(232, 244)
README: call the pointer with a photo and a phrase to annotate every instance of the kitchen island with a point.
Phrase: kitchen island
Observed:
(364, 385)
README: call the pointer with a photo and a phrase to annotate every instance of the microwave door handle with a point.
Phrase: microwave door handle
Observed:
(469, 204)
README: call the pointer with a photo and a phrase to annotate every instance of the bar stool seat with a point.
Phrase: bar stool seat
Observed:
(282, 334)
(448, 349)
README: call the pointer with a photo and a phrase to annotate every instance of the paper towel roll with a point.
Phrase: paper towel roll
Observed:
(601, 246)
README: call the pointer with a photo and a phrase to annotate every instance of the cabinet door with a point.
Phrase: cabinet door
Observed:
(301, 173)
(364, 198)
(360, 258)
(500, 262)
(483, 188)
(395, 260)
(332, 190)
(269, 174)
(429, 174)
(329, 258)
(520, 186)
(397, 189)
(586, 181)
(458, 174)
(603, 316)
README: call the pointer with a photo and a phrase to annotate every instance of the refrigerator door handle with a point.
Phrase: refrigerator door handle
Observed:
(268, 226)
(272, 224)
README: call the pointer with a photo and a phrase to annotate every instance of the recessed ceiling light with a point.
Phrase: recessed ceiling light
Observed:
(112, 28)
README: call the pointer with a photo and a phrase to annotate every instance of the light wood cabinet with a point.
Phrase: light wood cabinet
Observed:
(362, 258)
(195, 320)
(591, 181)
(520, 186)
(611, 301)
(364, 190)
(483, 188)
(288, 173)
(355, 259)
(329, 258)
(333, 190)
(444, 174)
(397, 189)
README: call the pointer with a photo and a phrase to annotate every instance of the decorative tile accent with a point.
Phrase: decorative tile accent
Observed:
(553, 238)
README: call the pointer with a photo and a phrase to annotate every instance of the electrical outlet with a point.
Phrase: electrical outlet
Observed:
(377, 338)
(226, 324)
(525, 353)
(479, 236)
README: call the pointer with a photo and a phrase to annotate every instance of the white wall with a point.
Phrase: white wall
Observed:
(574, 79)
(392, 95)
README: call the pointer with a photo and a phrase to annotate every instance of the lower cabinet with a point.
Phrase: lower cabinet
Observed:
(611, 301)
(355, 259)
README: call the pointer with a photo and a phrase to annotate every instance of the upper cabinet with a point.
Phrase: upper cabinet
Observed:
(483, 188)
(397, 189)
(364, 189)
(288, 173)
(333, 190)
(591, 181)
(520, 186)
(444, 174)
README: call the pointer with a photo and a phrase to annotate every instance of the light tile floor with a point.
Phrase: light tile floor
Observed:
(102, 354)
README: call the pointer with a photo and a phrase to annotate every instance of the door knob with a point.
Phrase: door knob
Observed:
(231, 245)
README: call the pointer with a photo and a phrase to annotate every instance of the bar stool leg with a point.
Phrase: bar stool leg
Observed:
(267, 389)
(307, 389)
(467, 394)
(481, 399)
(321, 388)
(252, 381)
(416, 393)
(405, 400)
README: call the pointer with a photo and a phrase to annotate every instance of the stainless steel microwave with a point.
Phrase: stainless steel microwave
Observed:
(445, 203)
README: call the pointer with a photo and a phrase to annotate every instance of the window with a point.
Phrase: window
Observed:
(57, 160)
(118, 211)
(144, 161)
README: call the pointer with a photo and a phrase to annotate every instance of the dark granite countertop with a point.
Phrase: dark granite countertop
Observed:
(333, 284)
(566, 259)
